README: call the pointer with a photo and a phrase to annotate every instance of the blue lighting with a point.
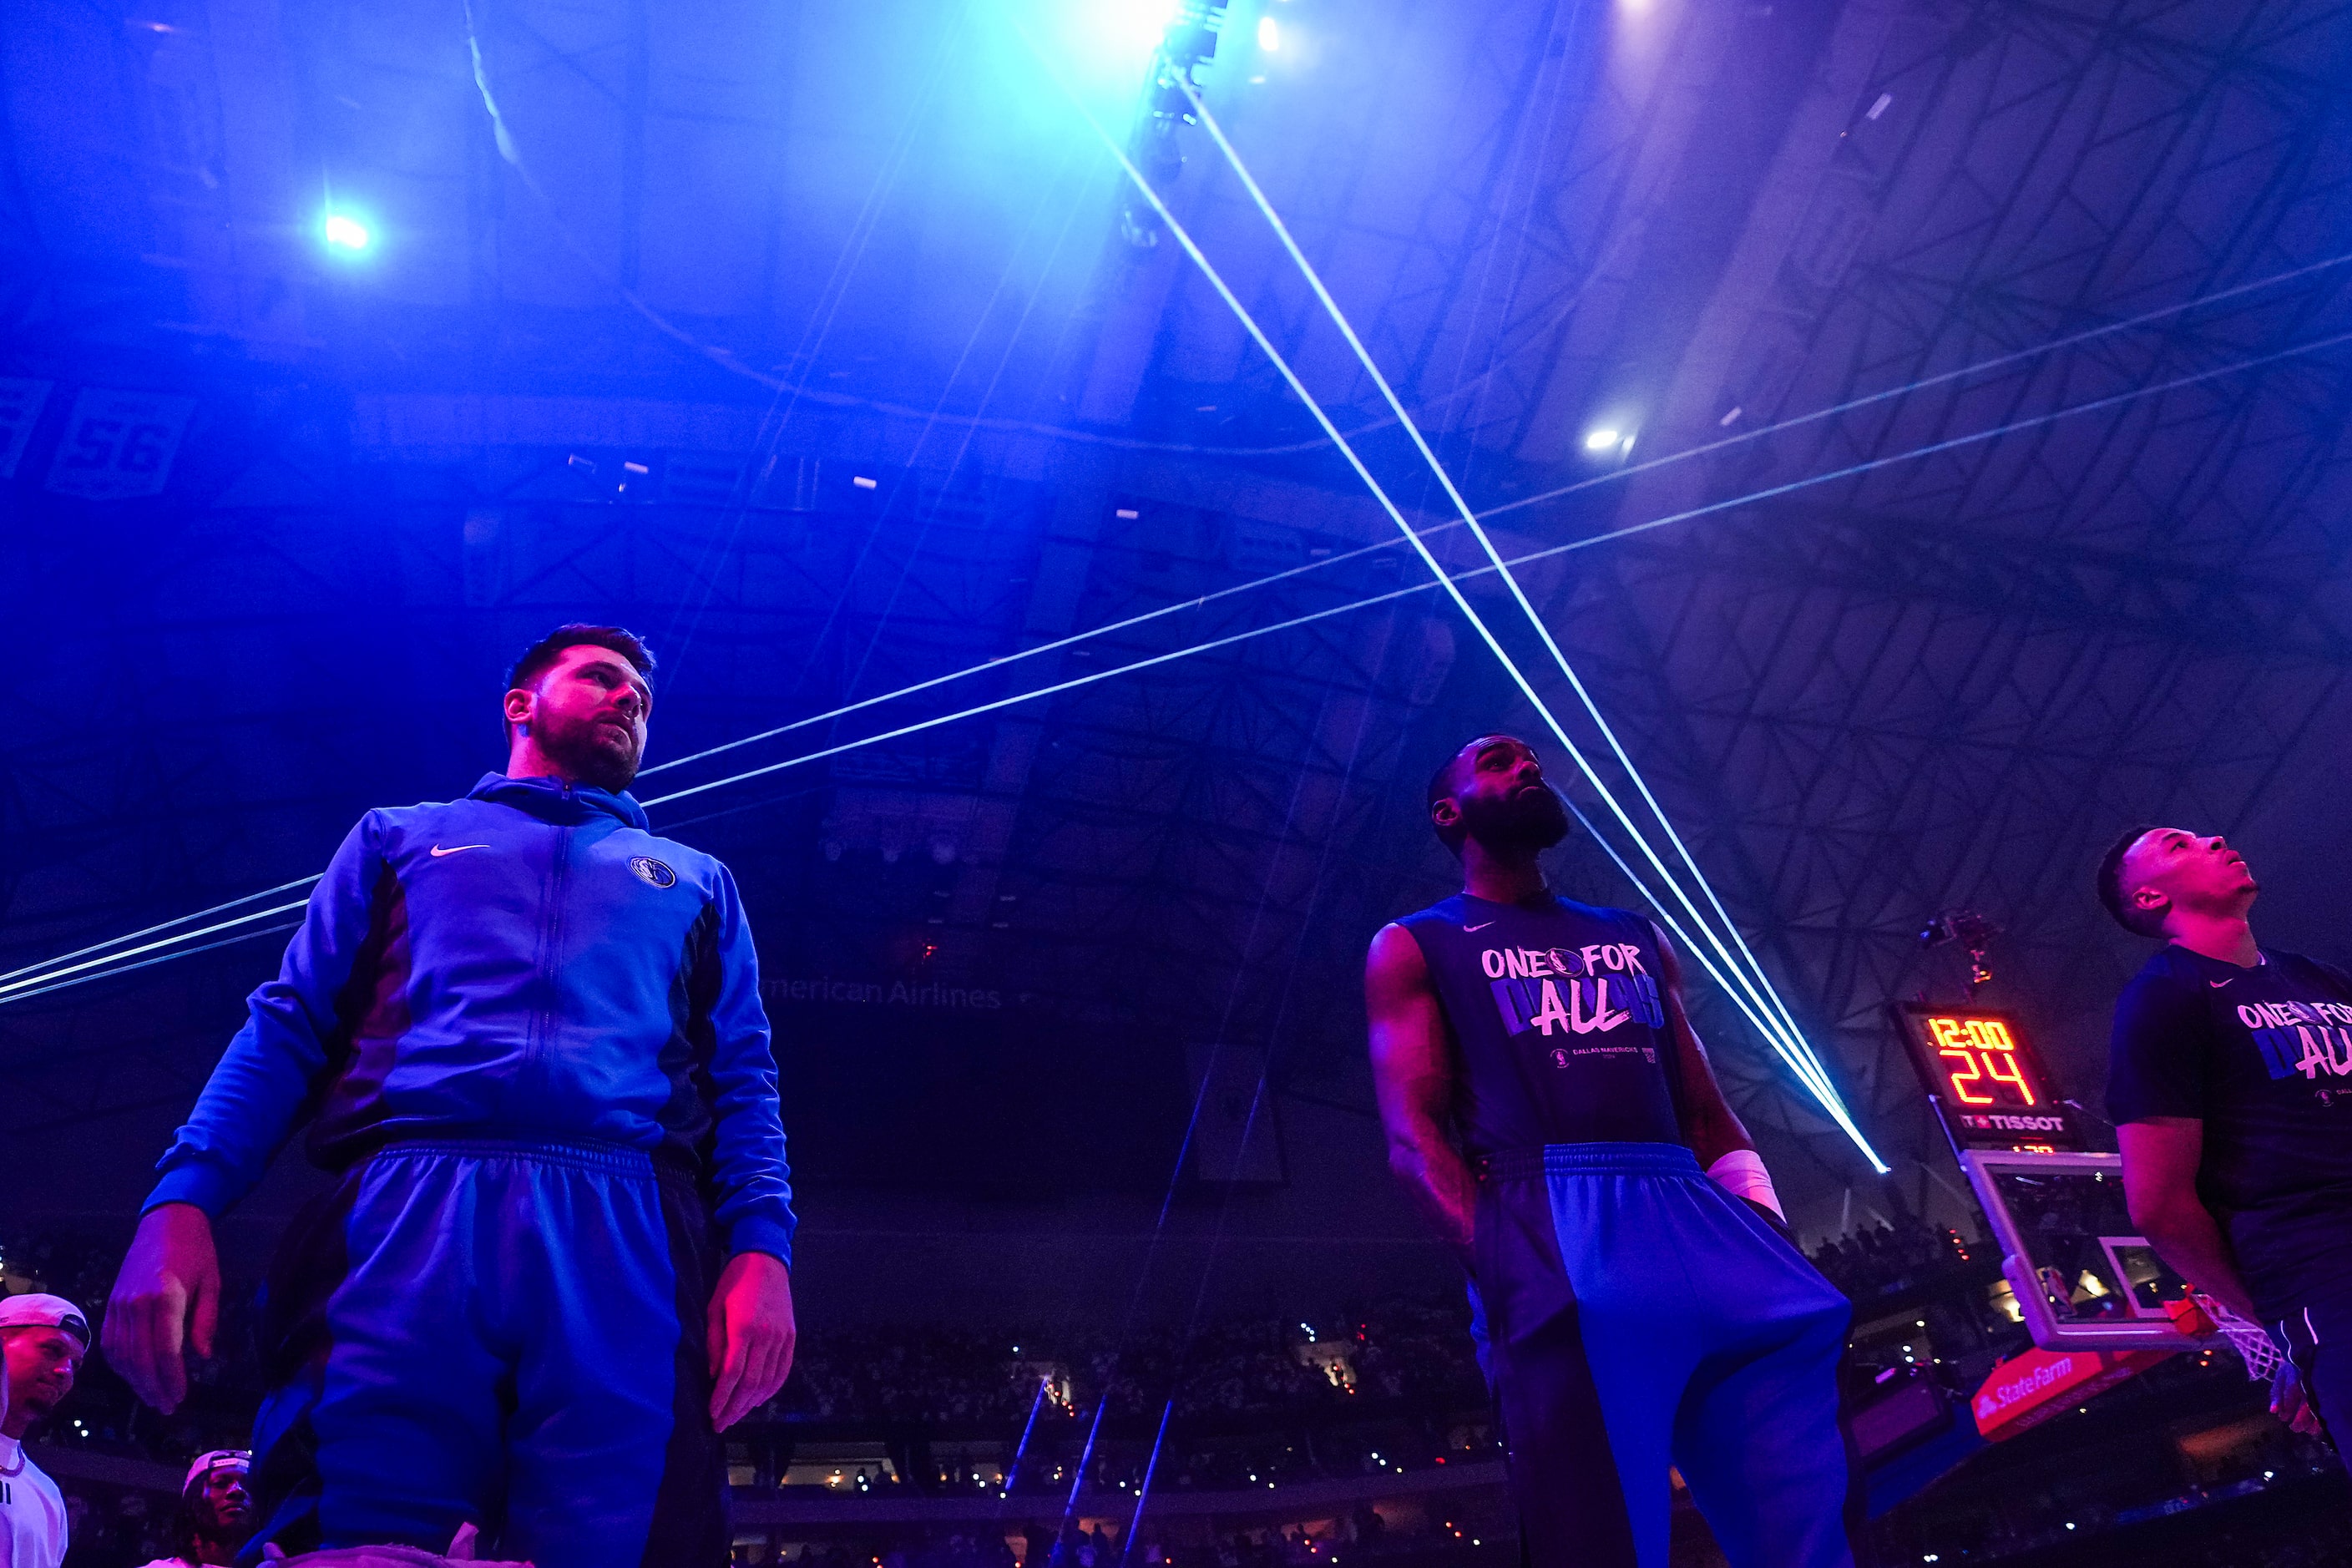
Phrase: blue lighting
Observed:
(1115, 38)
(345, 233)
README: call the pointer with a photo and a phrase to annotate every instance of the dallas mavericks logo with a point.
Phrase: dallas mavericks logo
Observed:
(652, 873)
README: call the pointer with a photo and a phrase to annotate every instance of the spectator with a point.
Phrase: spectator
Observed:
(1884, 1257)
(215, 1510)
(43, 1339)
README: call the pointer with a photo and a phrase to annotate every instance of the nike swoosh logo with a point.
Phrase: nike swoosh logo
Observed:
(1482, 925)
(438, 851)
(2217, 984)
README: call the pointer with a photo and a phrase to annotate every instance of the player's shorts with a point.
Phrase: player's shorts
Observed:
(1638, 1317)
(2318, 1339)
(502, 1334)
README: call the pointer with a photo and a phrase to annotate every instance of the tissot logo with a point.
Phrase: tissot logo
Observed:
(652, 873)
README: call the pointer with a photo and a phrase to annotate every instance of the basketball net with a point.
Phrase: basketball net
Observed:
(2251, 1340)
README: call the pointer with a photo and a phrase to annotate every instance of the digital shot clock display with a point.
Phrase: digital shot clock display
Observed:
(1985, 1077)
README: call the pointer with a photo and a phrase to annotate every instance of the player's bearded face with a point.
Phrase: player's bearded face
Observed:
(592, 746)
(1530, 816)
(588, 716)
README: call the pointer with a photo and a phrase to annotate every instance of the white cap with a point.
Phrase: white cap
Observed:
(219, 1458)
(36, 1310)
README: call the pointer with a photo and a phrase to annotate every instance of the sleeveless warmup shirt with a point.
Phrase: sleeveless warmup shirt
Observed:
(1556, 1020)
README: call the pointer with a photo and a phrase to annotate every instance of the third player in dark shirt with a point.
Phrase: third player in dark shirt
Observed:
(2230, 1082)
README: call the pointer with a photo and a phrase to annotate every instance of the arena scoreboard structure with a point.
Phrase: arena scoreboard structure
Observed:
(2083, 1279)
(1987, 1079)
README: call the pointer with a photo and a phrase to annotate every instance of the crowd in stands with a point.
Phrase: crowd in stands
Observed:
(1875, 1259)
(1399, 1350)
(1405, 1350)
(1255, 1401)
(1363, 1536)
(1416, 1352)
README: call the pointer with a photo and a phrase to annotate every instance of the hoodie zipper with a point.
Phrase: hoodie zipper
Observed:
(551, 947)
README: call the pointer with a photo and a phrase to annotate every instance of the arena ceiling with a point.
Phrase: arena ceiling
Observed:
(847, 287)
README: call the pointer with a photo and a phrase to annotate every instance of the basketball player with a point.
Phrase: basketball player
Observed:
(2230, 1082)
(527, 1035)
(1550, 1106)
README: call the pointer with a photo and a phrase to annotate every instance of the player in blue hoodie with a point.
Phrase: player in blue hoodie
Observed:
(526, 1034)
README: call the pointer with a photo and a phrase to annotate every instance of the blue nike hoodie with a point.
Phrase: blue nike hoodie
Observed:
(528, 963)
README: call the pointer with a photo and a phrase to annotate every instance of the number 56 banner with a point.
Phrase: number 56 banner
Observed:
(119, 444)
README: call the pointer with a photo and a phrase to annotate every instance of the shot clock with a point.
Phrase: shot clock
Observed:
(1986, 1078)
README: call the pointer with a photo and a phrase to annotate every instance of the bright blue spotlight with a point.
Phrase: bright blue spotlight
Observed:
(345, 232)
(1106, 45)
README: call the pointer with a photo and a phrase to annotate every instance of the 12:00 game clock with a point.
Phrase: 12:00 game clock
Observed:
(1985, 1078)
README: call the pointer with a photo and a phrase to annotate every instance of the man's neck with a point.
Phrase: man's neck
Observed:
(525, 761)
(1499, 879)
(2228, 937)
(12, 1427)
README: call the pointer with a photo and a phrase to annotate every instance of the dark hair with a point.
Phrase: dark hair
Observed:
(2128, 915)
(1441, 784)
(541, 655)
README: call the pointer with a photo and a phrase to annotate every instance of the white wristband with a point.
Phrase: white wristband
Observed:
(1741, 1173)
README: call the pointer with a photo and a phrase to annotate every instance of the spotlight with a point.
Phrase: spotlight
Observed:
(1112, 40)
(345, 232)
(1270, 34)
(1601, 439)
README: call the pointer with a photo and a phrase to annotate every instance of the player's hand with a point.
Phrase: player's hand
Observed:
(2290, 1403)
(167, 1295)
(751, 1336)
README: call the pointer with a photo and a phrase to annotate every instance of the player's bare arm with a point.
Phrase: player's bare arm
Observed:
(1714, 1130)
(2160, 1159)
(1711, 1126)
(1413, 1079)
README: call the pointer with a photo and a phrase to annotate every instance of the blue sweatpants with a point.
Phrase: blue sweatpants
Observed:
(510, 1334)
(1637, 1317)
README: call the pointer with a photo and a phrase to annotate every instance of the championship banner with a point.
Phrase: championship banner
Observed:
(20, 409)
(119, 444)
